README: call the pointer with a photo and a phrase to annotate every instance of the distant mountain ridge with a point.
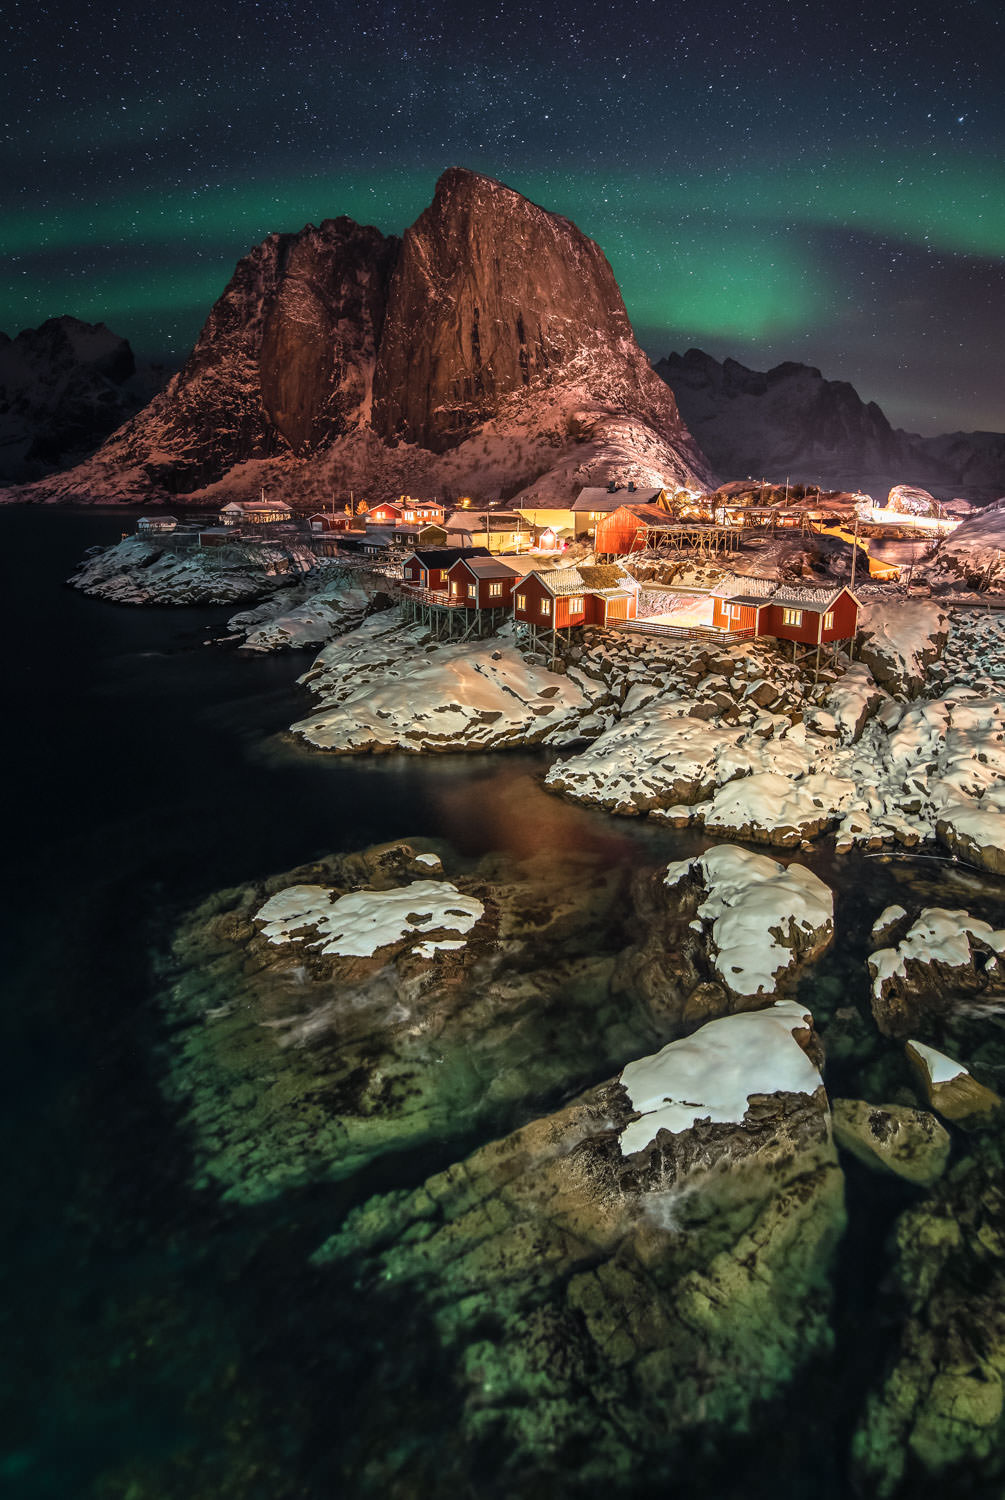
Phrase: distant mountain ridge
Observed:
(791, 421)
(64, 386)
(487, 352)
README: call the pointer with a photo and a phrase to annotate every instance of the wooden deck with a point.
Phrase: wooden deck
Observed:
(681, 632)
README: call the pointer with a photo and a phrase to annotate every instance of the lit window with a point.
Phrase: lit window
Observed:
(521, 601)
(792, 617)
(575, 606)
(472, 591)
(455, 589)
(829, 620)
(546, 606)
(495, 590)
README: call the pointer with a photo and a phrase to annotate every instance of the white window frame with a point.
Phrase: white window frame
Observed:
(521, 601)
(495, 590)
(546, 607)
(792, 616)
(828, 620)
(576, 606)
(472, 591)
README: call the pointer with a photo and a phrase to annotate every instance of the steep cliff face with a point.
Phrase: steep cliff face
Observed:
(489, 353)
(489, 293)
(322, 330)
(790, 420)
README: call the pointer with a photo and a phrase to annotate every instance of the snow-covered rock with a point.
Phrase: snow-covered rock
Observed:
(142, 570)
(359, 923)
(761, 919)
(333, 604)
(713, 1074)
(384, 687)
(974, 829)
(899, 641)
(943, 956)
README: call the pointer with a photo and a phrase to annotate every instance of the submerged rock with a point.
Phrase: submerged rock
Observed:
(937, 1416)
(910, 1143)
(949, 1086)
(594, 1291)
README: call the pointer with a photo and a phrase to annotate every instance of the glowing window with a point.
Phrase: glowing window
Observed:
(472, 591)
(575, 606)
(792, 617)
(455, 589)
(521, 601)
(829, 620)
(546, 606)
(495, 590)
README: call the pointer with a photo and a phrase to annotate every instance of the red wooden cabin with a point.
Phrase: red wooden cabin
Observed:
(421, 512)
(327, 520)
(483, 582)
(387, 513)
(811, 616)
(564, 597)
(429, 569)
(808, 616)
(623, 530)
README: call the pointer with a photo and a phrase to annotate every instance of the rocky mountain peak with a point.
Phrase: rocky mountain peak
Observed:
(490, 294)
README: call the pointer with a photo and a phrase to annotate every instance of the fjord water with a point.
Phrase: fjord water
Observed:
(157, 1342)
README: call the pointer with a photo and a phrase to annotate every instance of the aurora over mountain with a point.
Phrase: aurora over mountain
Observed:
(769, 182)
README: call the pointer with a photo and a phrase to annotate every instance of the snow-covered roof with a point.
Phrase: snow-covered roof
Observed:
(602, 498)
(607, 579)
(818, 601)
(735, 584)
(249, 507)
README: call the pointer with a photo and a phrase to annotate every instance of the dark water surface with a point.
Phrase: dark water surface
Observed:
(154, 1342)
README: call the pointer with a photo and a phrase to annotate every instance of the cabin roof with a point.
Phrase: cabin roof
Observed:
(603, 578)
(253, 505)
(735, 584)
(494, 567)
(445, 557)
(816, 600)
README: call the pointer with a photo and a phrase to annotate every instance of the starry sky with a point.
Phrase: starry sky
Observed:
(820, 182)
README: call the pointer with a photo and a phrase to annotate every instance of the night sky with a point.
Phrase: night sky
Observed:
(801, 181)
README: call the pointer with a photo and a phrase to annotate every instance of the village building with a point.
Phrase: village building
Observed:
(559, 519)
(329, 520)
(420, 536)
(593, 503)
(255, 512)
(809, 617)
(386, 513)
(420, 512)
(484, 582)
(148, 524)
(427, 570)
(550, 600)
(497, 530)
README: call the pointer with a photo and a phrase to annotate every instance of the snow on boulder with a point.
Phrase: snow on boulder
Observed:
(908, 500)
(852, 701)
(943, 955)
(383, 689)
(972, 554)
(761, 919)
(769, 808)
(974, 829)
(714, 1074)
(899, 641)
(949, 1086)
(356, 925)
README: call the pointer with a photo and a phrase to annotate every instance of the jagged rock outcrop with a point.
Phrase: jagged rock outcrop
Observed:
(63, 388)
(790, 420)
(491, 355)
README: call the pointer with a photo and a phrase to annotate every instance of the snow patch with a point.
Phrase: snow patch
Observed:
(358, 924)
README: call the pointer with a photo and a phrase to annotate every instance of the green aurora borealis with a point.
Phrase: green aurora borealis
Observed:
(850, 213)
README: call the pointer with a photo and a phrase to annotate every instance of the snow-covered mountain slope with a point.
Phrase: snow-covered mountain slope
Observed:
(63, 388)
(791, 421)
(489, 353)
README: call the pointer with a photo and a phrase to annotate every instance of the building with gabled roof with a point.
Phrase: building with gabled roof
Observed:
(593, 503)
(484, 582)
(806, 616)
(427, 569)
(560, 598)
(256, 512)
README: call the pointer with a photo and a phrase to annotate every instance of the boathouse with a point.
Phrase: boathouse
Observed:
(386, 513)
(805, 616)
(148, 524)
